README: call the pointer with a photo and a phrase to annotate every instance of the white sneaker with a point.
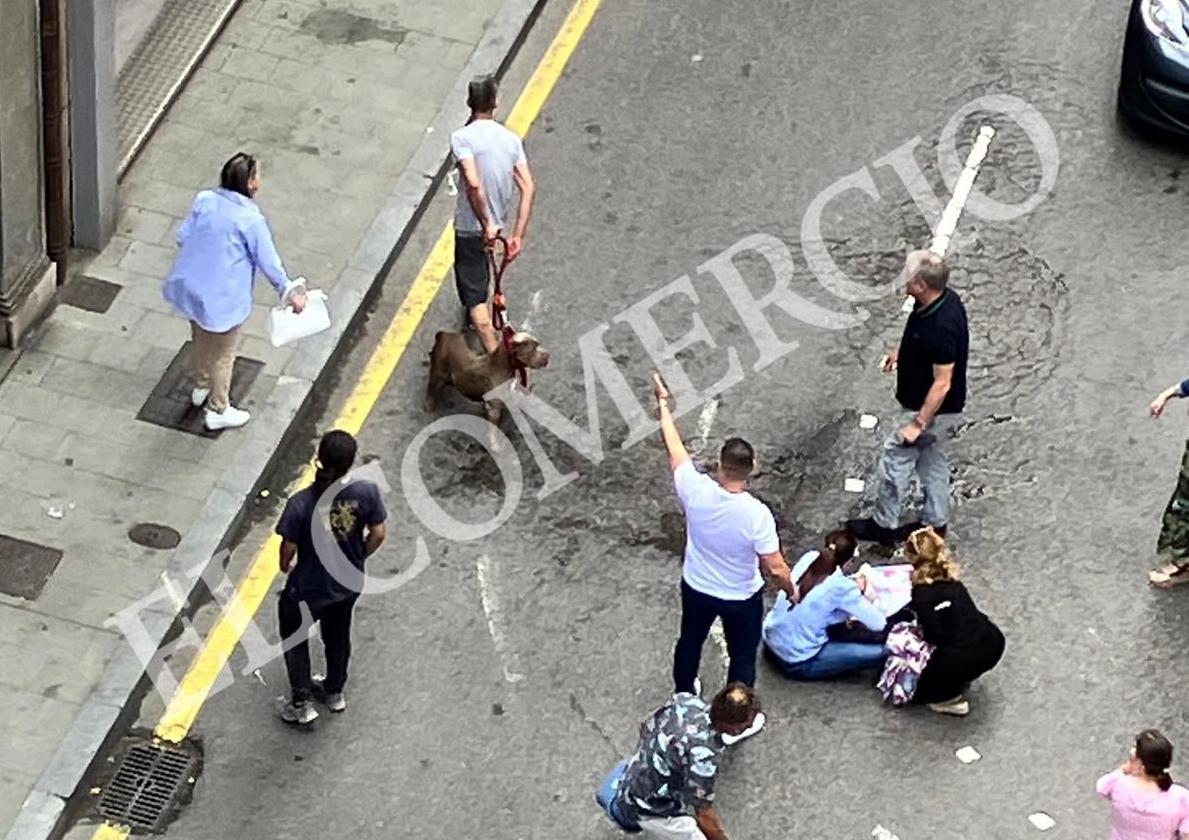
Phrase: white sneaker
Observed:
(335, 702)
(959, 707)
(230, 418)
(756, 726)
(298, 714)
(198, 396)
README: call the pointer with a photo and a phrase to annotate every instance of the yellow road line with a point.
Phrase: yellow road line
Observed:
(216, 650)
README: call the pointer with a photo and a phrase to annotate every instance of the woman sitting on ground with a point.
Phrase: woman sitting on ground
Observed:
(1145, 804)
(966, 643)
(795, 637)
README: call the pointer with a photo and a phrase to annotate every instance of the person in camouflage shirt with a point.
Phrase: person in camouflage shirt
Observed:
(668, 787)
(1173, 544)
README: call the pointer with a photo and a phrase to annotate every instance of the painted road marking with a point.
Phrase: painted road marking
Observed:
(491, 609)
(706, 423)
(216, 650)
(534, 307)
(953, 210)
(720, 639)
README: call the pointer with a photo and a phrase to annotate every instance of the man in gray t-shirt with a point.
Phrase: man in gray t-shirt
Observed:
(491, 160)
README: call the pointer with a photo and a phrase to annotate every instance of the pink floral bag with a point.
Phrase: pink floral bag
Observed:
(908, 654)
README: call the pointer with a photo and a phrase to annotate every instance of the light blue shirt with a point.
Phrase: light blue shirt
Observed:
(222, 244)
(797, 633)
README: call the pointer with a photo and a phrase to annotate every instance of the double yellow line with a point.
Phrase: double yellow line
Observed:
(216, 650)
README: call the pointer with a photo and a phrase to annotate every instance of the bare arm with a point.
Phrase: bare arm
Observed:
(673, 443)
(943, 379)
(708, 821)
(375, 538)
(777, 572)
(528, 189)
(1158, 404)
(475, 195)
(288, 552)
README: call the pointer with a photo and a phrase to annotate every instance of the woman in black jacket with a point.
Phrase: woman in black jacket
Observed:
(966, 643)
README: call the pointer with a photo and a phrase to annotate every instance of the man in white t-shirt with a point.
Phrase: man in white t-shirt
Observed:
(490, 158)
(730, 539)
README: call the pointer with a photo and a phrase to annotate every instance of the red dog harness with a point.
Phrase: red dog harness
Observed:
(498, 307)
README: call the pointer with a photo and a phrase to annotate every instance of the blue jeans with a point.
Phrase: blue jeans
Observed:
(833, 660)
(607, 797)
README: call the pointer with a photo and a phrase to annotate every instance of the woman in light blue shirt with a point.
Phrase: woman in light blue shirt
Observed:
(796, 640)
(222, 244)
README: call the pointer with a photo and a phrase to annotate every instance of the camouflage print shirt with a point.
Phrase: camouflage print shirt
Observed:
(672, 772)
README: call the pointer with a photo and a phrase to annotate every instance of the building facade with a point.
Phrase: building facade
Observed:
(57, 147)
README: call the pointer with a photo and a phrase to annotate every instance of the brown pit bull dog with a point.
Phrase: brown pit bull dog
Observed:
(453, 362)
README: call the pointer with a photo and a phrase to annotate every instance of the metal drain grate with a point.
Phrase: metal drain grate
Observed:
(157, 71)
(146, 786)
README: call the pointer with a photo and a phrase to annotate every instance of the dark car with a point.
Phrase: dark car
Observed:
(1154, 83)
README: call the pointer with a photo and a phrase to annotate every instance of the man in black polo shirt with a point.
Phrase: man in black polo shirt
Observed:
(930, 366)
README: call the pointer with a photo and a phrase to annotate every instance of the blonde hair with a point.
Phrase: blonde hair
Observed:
(930, 557)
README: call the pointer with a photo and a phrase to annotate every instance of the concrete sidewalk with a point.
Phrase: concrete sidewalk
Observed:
(348, 104)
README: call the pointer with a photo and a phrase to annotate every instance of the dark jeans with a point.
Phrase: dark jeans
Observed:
(742, 622)
(335, 620)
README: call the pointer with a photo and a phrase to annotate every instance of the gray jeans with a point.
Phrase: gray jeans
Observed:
(897, 463)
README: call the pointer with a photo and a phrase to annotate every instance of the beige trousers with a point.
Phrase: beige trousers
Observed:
(212, 356)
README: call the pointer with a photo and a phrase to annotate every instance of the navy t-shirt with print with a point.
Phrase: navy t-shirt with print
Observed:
(356, 508)
(935, 335)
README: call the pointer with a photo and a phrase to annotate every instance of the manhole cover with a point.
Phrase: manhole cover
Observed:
(89, 293)
(25, 567)
(152, 535)
(169, 404)
(146, 786)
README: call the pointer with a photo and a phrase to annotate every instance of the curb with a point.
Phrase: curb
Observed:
(98, 723)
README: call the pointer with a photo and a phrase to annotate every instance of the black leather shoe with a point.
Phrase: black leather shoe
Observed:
(871, 531)
(905, 531)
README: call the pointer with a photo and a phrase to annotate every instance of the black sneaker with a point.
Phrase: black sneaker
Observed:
(871, 531)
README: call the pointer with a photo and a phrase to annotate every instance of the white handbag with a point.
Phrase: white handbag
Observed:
(286, 326)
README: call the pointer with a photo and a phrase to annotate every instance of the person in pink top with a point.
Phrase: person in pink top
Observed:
(1145, 804)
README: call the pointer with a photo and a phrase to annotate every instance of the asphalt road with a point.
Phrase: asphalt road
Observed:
(681, 127)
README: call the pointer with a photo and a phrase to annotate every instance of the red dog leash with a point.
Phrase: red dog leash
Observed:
(499, 306)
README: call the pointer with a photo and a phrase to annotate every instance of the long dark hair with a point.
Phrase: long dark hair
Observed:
(1154, 752)
(838, 548)
(336, 455)
(237, 173)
